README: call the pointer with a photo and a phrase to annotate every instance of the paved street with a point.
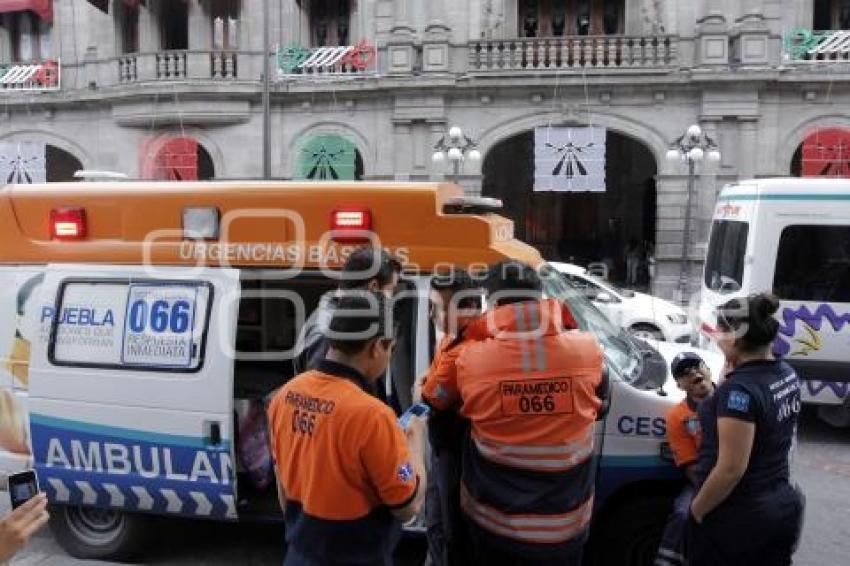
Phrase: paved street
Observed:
(822, 467)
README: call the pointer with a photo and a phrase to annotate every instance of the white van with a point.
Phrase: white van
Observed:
(791, 237)
(137, 318)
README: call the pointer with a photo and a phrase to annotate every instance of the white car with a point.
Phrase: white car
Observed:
(643, 315)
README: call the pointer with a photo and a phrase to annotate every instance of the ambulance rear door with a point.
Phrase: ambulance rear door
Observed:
(131, 388)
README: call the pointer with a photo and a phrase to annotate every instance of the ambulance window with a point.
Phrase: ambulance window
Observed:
(724, 263)
(813, 264)
(139, 325)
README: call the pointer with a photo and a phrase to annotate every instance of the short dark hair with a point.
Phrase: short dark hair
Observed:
(359, 317)
(751, 318)
(515, 280)
(456, 281)
(367, 264)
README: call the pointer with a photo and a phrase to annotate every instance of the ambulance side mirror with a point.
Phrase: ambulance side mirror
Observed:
(603, 391)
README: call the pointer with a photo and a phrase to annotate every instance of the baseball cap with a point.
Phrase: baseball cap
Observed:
(683, 362)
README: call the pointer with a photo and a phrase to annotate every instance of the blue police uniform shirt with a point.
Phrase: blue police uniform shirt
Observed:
(766, 393)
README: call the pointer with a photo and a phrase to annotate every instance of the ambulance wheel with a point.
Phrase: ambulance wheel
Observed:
(647, 332)
(632, 532)
(95, 533)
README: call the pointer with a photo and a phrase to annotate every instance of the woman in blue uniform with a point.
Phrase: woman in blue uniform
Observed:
(746, 511)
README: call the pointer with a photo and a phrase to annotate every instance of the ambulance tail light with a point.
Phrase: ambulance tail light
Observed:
(68, 224)
(351, 224)
(471, 205)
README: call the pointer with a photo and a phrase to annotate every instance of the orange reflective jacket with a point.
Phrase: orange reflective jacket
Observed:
(529, 389)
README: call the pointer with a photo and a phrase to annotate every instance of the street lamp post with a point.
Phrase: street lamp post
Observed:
(692, 147)
(457, 147)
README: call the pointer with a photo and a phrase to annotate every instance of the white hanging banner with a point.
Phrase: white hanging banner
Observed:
(23, 162)
(569, 159)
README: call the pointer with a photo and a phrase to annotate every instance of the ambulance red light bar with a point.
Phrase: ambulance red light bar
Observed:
(68, 224)
(351, 224)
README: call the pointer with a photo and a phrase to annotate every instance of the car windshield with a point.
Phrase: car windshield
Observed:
(609, 285)
(620, 351)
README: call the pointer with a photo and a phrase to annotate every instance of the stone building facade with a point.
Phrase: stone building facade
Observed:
(134, 80)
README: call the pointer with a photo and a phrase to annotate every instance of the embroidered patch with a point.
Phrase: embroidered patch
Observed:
(405, 472)
(738, 401)
(692, 426)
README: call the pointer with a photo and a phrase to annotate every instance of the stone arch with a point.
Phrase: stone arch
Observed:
(798, 134)
(51, 138)
(651, 138)
(150, 146)
(364, 148)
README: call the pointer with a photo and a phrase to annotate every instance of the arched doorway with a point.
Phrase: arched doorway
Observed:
(825, 152)
(36, 162)
(580, 227)
(328, 157)
(176, 159)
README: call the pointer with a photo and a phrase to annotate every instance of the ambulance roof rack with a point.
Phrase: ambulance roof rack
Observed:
(90, 175)
(471, 205)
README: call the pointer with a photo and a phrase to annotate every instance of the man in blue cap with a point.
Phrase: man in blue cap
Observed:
(684, 435)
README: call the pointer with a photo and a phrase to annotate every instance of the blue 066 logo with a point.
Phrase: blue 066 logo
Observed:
(161, 316)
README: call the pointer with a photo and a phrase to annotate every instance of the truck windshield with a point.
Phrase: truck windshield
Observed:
(724, 263)
(620, 352)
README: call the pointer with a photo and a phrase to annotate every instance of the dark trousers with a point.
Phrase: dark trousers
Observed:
(488, 549)
(761, 529)
(446, 533)
(671, 551)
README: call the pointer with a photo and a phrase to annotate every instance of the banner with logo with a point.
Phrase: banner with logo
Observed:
(569, 159)
(826, 153)
(23, 162)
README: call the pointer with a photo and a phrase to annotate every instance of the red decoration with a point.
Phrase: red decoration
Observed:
(826, 153)
(361, 55)
(42, 8)
(176, 160)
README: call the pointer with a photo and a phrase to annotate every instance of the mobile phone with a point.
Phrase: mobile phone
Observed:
(23, 486)
(415, 410)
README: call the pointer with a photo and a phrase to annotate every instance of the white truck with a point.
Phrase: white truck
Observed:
(790, 236)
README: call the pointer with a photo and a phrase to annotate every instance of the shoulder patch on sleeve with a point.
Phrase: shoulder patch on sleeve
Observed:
(405, 472)
(738, 401)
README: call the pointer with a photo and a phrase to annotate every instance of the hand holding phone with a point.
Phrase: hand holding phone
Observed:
(415, 410)
(23, 486)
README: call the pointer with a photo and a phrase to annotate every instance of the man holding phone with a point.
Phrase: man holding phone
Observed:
(29, 514)
(348, 475)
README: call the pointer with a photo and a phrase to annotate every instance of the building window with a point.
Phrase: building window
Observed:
(129, 27)
(174, 22)
(556, 18)
(30, 37)
(832, 15)
(225, 24)
(330, 22)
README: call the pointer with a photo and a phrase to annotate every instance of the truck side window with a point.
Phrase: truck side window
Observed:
(813, 264)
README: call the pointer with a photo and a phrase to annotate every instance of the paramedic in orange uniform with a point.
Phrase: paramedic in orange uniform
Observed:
(684, 435)
(455, 301)
(348, 474)
(529, 389)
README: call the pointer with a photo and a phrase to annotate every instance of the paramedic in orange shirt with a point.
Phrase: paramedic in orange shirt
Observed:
(684, 434)
(529, 389)
(348, 474)
(455, 301)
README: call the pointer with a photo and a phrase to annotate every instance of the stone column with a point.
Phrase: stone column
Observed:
(712, 40)
(198, 63)
(5, 41)
(401, 43)
(747, 146)
(402, 149)
(671, 200)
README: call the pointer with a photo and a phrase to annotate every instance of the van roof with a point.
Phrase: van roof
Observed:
(788, 188)
(129, 222)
